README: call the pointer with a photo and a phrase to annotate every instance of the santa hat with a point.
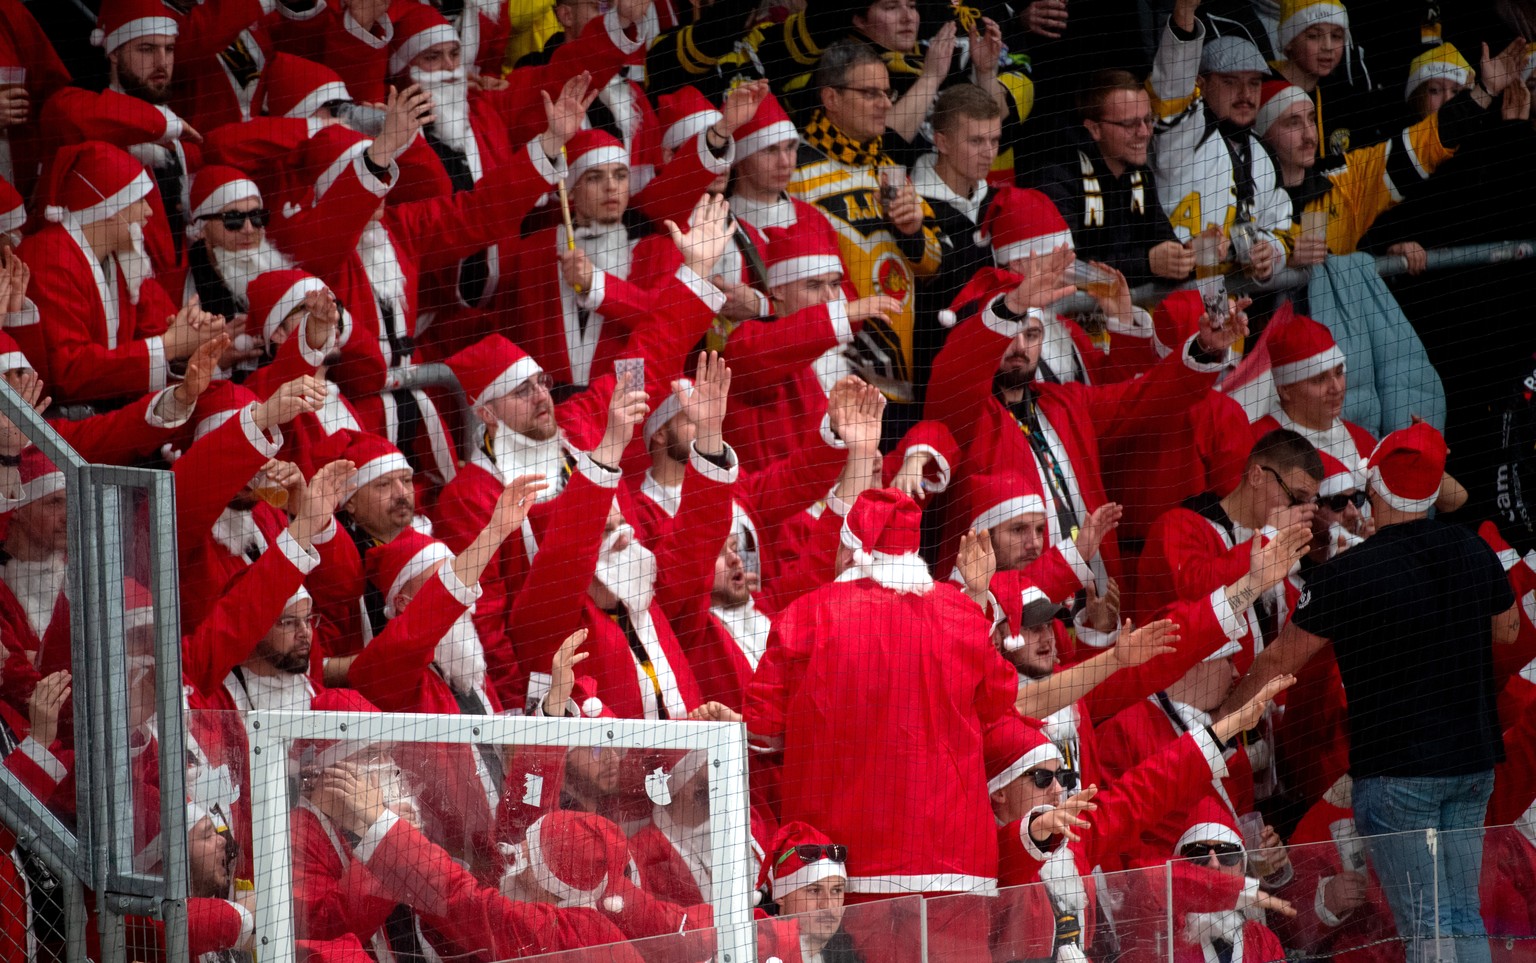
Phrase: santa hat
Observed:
(584, 695)
(1407, 466)
(39, 477)
(995, 499)
(123, 20)
(1011, 747)
(568, 854)
(1440, 62)
(221, 402)
(273, 295)
(214, 188)
(1231, 54)
(1275, 98)
(681, 772)
(1175, 320)
(1300, 349)
(11, 356)
(1021, 222)
(1210, 821)
(1297, 15)
(138, 602)
(392, 565)
(295, 87)
(91, 181)
(371, 456)
(666, 408)
(13, 208)
(1338, 477)
(684, 114)
(797, 252)
(314, 755)
(769, 126)
(592, 148)
(329, 152)
(417, 27)
(784, 866)
(883, 529)
(491, 368)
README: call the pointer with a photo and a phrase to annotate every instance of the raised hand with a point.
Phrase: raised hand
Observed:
(941, 52)
(315, 503)
(1139, 646)
(30, 387)
(1047, 18)
(709, 231)
(348, 798)
(1043, 280)
(512, 506)
(986, 49)
(856, 416)
(1065, 818)
(189, 328)
(47, 704)
(1218, 341)
(977, 564)
(1102, 611)
(15, 105)
(1099, 523)
(878, 306)
(15, 276)
(1497, 73)
(626, 409)
(714, 712)
(740, 106)
(406, 112)
(301, 395)
(321, 308)
(562, 673)
(200, 370)
(705, 404)
(1249, 714)
(909, 478)
(575, 268)
(563, 116)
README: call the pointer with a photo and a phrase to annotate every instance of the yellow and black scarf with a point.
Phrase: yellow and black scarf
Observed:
(823, 135)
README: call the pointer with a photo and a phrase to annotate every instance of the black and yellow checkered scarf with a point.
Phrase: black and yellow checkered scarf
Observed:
(823, 135)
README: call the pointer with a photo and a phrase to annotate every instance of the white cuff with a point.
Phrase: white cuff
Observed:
(27, 315)
(1092, 637)
(151, 414)
(375, 186)
(550, 170)
(46, 761)
(617, 36)
(837, 313)
(314, 357)
(712, 471)
(538, 687)
(1034, 851)
(939, 462)
(267, 6)
(1075, 560)
(596, 473)
(1214, 757)
(304, 561)
(837, 506)
(326, 535)
(1200, 366)
(1320, 905)
(571, 711)
(314, 125)
(1231, 620)
(592, 299)
(828, 436)
(158, 369)
(247, 920)
(259, 441)
(174, 127)
(375, 835)
(1250, 893)
(1008, 329)
(465, 595)
(708, 160)
(701, 288)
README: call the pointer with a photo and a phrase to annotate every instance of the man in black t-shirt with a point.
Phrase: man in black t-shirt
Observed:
(1412, 613)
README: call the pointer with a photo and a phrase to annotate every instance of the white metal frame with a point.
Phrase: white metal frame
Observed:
(270, 735)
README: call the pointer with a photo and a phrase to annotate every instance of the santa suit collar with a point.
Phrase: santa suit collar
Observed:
(282, 691)
(106, 287)
(1335, 439)
(692, 844)
(779, 212)
(334, 414)
(36, 586)
(668, 498)
(236, 530)
(747, 626)
(1186, 718)
(607, 245)
(511, 454)
(666, 679)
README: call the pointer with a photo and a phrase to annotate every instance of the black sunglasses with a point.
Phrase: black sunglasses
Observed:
(1227, 854)
(232, 220)
(1284, 487)
(1067, 778)
(1337, 503)
(810, 852)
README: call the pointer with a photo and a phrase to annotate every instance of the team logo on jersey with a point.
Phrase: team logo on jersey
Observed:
(1306, 596)
(892, 277)
(1338, 141)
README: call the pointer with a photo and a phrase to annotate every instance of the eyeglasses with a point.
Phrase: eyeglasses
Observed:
(1294, 499)
(873, 93)
(810, 852)
(1066, 778)
(1135, 123)
(232, 220)
(1227, 854)
(543, 380)
(291, 624)
(1337, 503)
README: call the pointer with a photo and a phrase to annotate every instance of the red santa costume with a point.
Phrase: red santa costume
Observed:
(41, 770)
(1302, 349)
(854, 657)
(1514, 666)
(1072, 419)
(785, 870)
(674, 859)
(770, 126)
(1020, 222)
(1201, 937)
(30, 590)
(1509, 851)
(1199, 450)
(101, 318)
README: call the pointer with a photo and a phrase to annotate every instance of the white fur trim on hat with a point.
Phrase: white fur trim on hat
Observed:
(431, 554)
(806, 875)
(317, 98)
(13, 359)
(1270, 110)
(1379, 486)
(330, 174)
(379, 467)
(510, 380)
(1023, 764)
(1215, 832)
(291, 300)
(11, 221)
(297, 597)
(670, 407)
(596, 157)
(1508, 558)
(413, 46)
(1289, 374)
(1044, 244)
(41, 487)
(688, 128)
(133, 30)
(567, 894)
(760, 140)
(799, 268)
(1324, 11)
(225, 195)
(136, 190)
(1342, 482)
(899, 573)
(1007, 511)
(1436, 70)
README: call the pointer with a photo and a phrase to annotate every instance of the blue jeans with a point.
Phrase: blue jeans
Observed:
(1415, 876)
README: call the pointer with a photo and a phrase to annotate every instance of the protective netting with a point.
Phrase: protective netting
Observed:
(916, 480)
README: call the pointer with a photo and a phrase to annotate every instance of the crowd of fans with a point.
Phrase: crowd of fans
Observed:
(799, 383)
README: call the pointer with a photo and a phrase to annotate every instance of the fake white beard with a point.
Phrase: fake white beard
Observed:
(236, 530)
(1205, 927)
(382, 266)
(36, 586)
(450, 104)
(239, 268)
(134, 263)
(460, 657)
(517, 454)
(607, 247)
(286, 690)
(1341, 539)
(630, 574)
